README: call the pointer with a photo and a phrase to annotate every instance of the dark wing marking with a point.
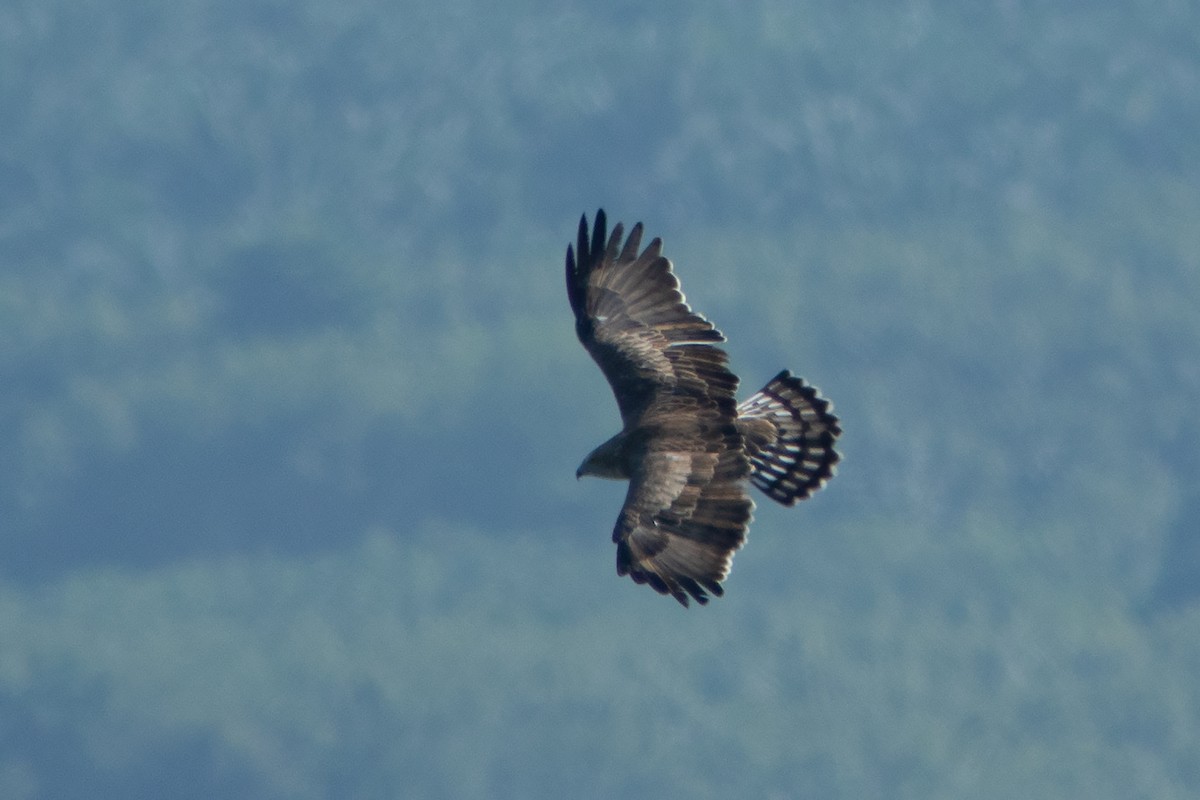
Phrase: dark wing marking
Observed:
(636, 324)
(686, 513)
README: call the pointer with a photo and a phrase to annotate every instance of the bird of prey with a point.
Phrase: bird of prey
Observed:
(687, 448)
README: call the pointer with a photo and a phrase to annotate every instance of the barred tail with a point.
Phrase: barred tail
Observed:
(789, 431)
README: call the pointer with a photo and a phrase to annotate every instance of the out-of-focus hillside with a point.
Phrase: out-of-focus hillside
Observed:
(291, 400)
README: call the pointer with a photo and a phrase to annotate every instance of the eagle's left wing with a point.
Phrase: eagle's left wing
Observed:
(633, 319)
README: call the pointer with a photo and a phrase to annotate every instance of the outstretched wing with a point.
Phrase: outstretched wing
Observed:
(686, 513)
(633, 319)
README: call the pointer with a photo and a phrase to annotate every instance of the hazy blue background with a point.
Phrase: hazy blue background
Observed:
(291, 404)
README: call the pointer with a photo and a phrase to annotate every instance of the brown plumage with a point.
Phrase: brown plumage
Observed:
(686, 447)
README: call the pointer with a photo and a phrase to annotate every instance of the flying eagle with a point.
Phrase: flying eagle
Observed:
(687, 448)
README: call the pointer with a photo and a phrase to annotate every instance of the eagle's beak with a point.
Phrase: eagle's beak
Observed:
(579, 473)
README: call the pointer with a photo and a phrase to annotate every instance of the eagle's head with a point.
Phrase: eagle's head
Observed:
(606, 461)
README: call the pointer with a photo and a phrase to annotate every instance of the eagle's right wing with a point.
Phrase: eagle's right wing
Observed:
(685, 514)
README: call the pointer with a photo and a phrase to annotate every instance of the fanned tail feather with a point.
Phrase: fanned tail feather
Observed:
(789, 432)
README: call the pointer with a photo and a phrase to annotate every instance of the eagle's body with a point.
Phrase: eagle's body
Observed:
(686, 447)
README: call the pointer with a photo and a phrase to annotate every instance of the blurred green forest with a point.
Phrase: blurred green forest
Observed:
(292, 401)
